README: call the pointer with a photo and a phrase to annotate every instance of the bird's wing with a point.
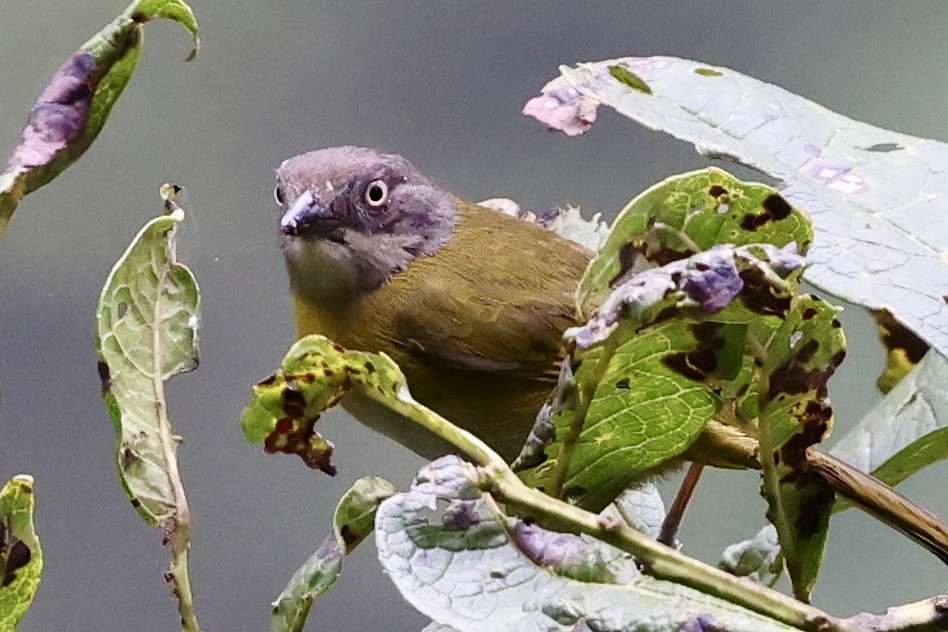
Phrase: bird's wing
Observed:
(499, 329)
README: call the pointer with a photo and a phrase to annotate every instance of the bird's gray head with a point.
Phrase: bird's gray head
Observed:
(353, 217)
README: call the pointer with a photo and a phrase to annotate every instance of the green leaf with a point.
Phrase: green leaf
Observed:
(877, 197)
(795, 413)
(653, 364)
(313, 578)
(74, 107)
(355, 514)
(688, 212)
(353, 521)
(316, 374)
(147, 323)
(905, 432)
(483, 571)
(22, 557)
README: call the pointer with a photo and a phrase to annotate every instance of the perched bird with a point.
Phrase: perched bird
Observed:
(471, 303)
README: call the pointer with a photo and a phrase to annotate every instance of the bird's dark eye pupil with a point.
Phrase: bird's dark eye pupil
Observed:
(376, 193)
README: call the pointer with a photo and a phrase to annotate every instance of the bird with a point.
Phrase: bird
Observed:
(470, 302)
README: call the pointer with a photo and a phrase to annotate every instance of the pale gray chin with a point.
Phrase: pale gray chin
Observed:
(320, 269)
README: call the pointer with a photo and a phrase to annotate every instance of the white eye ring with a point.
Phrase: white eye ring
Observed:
(278, 194)
(376, 193)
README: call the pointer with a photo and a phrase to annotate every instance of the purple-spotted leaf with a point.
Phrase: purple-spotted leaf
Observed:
(20, 553)
(72, 110)
(491, 571)
(877, 197)
(652, 362)
(687, 213)
(147, 331)
(353, 521)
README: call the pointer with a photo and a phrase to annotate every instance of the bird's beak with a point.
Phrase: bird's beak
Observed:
(303, 214)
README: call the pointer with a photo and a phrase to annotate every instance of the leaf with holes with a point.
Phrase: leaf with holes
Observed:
(877, 197)
(649, 369)
(687, 213)
(74, 107)
(795, 413)
(316, 374)
(147, 324)
(22, 557)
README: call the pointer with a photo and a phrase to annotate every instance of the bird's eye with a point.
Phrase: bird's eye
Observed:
(278, 194)
(376, 193)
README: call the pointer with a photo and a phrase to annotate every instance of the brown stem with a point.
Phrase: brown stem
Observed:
(677, 511)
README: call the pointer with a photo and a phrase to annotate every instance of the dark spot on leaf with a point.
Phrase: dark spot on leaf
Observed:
(623, 385)
(294, 404)
(759, 295)
(836, 324)
(348, 537)
(895, 335)
(885, 147)
(350, 370)
(779, 208)
(708, 72)
(678, 362)
(268, 382)
(169, 576)
(338, 347)
(808, 313)
(629, 253)
(136, 503)
(16, 556)
(496, 575)
(629, 78)
(370, 367)
(105, 379)
(717, 191)
(753, 222)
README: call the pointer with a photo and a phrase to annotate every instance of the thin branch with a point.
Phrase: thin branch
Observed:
(665, 563)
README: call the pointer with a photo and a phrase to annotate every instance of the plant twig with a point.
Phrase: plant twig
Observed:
(677, 511)
(665, 563)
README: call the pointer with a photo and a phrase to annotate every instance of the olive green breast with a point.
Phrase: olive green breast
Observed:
(476, 327)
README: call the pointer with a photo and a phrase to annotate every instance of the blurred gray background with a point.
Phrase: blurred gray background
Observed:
(442, 83)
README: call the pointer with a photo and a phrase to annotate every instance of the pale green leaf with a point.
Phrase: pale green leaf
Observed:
(20, 551)
(353, 521)
(147, 323)
(491, 572)
(877, 197)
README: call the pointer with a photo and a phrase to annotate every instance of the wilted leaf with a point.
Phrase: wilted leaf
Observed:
(20, 553)
(353, 520)
(877, 197)
(758, 558)
(567, 222)
(642, 508)
(316, 374)
(147, 324)
(74, 107)
(491, 572)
